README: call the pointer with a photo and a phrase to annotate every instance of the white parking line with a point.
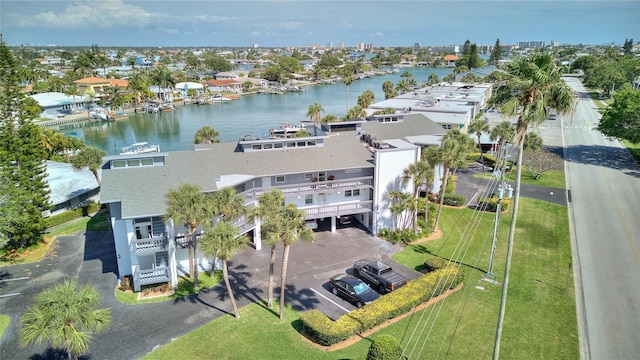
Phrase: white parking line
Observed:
(14, 294)
(22, 278)
(331, 301)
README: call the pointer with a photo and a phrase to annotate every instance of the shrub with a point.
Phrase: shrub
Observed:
(126, 283)
(454, 200)
(71, 215)
(385, 347)
(435, 263)
(491, 204)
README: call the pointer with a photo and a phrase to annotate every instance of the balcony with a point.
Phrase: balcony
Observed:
(322, 211)
(150, 245)
(311, 187)
(157, 275)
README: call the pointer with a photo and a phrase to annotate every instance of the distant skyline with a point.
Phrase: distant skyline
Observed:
(240, 23)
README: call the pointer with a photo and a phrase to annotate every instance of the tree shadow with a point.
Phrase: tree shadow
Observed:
(300, 300)
(55, 354)
(606, 156)
(99, 245)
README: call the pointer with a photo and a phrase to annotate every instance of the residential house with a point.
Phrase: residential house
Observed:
(348, 170)
(451, 60)
(69, 188)
(55, 104)
(226, 85)
(92, 86)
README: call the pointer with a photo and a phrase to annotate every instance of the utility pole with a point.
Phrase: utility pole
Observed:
(489, 275)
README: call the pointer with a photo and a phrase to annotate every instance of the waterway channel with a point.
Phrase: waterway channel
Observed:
(251, 114)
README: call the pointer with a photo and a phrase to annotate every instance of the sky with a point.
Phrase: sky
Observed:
(267, 23)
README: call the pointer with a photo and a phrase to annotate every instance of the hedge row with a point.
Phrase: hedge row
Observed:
(454, 200)
(326, 332)
(71, 215)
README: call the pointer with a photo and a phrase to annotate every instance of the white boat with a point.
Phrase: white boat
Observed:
(285, 131)
(100, 114)
(219, 97)
(139, 148)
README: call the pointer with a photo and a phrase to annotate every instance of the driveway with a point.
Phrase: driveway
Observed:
(138, 329)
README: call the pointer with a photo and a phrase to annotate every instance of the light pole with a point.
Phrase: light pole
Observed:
(550, 195)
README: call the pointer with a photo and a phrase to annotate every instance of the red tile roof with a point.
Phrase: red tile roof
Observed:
(91, 80)
(451, 57)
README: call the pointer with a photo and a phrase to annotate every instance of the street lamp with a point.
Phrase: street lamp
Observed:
(550, 195)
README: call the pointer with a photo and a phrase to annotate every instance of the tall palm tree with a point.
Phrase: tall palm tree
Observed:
(433, 79)
(91, 158)
(207, 135)
(189, 206)
(401, 205)
(504, 133)
(389, 89)
(65, 315)
(478, 127)
(138, 86)
(533, 91)
(452, 154)
(228, 204)
(266, 211)
(292, 228)
(421, 174)
(222, 241)
(313, 113)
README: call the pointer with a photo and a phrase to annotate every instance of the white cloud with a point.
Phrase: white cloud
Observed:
(377, 34)
(88, 14)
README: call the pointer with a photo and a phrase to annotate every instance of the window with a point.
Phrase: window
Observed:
(280, 179)
(147, 162)
(277, 146)
(308, 176)
(256, 147)
(354, 192)
(446, 126)
(268, 146)
(308, 199)
(291, 144)
(117, 163)
(302, 143)
(133, 162)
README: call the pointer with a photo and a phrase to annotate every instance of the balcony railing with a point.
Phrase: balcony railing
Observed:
(149, 245)
(315, 212)
(311, 187)
(151, 276)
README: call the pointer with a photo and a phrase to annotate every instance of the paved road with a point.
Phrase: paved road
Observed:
(604, 185)
(138, 329)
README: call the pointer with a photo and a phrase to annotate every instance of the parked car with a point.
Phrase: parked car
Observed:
(313, 224)
(379, 275)
(344, 220)
(352, 289)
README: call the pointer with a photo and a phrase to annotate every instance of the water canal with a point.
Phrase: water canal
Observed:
(251, 114)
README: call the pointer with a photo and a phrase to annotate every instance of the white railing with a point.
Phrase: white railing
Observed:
(149, 245)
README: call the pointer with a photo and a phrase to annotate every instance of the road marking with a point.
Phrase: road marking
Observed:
(14, 294)
(331, 301)
(22, 278)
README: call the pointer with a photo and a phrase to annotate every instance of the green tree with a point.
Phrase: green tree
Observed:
(66, 316)
(389, 89)
(621, 120)
(366, 98)
(291, 229)
(348, 79)
(356, 112)
(206, 135)
(421, 174)
(479, 127)
(452, 154)
(496, 53)
(266, 212)
(504, 133)
(91, 158)
(223, 241)
(313, 112)
(403, 206)
(607, 76)
(22, 156)
(534, 90)
(433, 79)
(189, 206)
(532, 142)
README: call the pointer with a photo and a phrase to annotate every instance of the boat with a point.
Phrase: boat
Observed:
(285, 131)
(100, 114)
(139, 148)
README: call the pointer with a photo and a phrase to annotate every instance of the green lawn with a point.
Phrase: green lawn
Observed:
(540, 320)
(551, 178)
(4, 323)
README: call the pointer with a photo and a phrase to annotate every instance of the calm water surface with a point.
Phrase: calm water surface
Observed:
(251, 114)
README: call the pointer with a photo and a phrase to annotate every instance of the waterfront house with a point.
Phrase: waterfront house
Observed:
(348, 169)
(93, 86)
(55, 104)
(69, 188)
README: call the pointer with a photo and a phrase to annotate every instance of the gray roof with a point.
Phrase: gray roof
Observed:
(414, 124)
(66, 183)
(52, 99)
(142, 190)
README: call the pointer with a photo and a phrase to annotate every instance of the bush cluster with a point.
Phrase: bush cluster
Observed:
(385, 347)
(454, 200)
(436, 263)
(403, 236)
(71, 215)
(491, 204)
(326, 332)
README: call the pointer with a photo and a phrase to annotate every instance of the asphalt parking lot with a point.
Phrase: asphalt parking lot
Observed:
(138, 329)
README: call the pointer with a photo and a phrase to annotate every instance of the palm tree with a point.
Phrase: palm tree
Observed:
(189, 206)
(314, 114)
(207, 135)
(228, 204)
(433, 79)
(534, 89)
(478, 126)
(66, 316)
(348, 80)
(292, 228)
(138, 86)
(421, 173)
(401, 203)
(366, 98)
(89, 157)
(452, 154)
(504, 133)
(389, 89)
(222, 241)
(266, 211)
(356, 112)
